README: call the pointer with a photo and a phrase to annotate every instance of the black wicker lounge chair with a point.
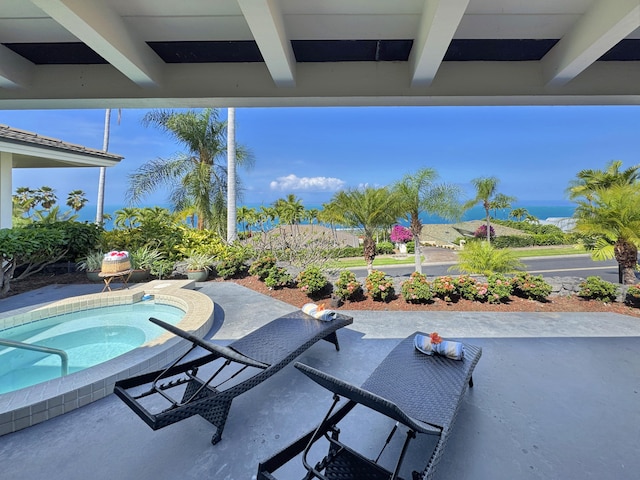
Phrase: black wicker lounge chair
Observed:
(422, 393)
(165, 397)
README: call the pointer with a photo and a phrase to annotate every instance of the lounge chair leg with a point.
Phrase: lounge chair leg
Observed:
(471, 382)
(216, 438)
(333, 338)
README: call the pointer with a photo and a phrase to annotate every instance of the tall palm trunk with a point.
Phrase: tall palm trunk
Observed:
(103, 170)
(231, 175)
(626, 254)
(488, 218)
(369, 246)
(416, 228)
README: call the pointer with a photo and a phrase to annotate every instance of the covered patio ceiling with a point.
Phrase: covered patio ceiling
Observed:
(163, 53)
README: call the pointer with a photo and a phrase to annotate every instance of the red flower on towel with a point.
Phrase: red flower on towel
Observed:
(435, 338)
(320, 307)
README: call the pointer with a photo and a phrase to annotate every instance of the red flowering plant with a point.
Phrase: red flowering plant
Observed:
(481, 232)
(445, 288)
(400, 234)
(380, 286)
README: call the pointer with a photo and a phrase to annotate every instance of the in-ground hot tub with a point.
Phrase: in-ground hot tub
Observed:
(34, 404)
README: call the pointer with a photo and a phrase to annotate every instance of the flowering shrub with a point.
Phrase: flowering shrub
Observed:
(312, 281)
(469, 289)
(347, 287)
(500, 288)
(634, 291)
(533, 287)
(595, 288)
(277, 277)
(380, 286)
(445, 288)
(417, 289)
(400, 234)
(262, 266)
(232, 262)
(633, 295)
(481, 232)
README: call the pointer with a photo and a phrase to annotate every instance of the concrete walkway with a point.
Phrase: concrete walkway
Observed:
(556, 395)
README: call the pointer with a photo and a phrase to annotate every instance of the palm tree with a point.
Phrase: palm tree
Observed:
(331, 215)
(24, 199)
(486, 188)
(416, 194)
(76, 200)
(197, 177)
(248, 217)
(501, 202)
(46, 197)
(482, 258)
(267, 215)
(612, 216)
(367, 209)
(290, 209)
(519, 213)
(589, 180)
(312, 215)
(127, 217)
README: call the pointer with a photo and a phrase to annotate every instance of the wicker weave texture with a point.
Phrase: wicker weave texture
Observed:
(275, 344)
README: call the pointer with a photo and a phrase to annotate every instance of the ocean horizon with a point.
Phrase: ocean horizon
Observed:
(541, 212)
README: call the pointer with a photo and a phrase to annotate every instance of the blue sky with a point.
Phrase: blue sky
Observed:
(312, 152)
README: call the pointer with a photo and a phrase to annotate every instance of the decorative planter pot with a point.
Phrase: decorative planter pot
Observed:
(93, 275)
(197, 275)
(138, 276)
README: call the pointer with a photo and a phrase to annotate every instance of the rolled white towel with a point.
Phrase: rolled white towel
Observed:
(319, 312)
(430, 344)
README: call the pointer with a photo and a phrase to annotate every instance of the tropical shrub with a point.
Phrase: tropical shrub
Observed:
(345, 252)
(231, 262)
(532, 287)
(380, 286)
(143, 258)
(28, 250)
(445, 288)
(634, 290)
(347, 287)
(384, 248)
(417, 289)
(277, 277)
(481, 232)
(312, 281)
(201, 241)
(92, 262)
(154, 227)
(633, 295)
(162, 268)
(595, 288)
(400, 234)
(482, 258)
(500, 288)
(262, 266)
(469, 289)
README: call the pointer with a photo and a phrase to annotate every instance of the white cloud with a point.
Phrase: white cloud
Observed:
(308, 184)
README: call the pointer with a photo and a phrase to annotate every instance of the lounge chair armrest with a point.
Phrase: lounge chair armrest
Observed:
(224, 352)
(366, 398)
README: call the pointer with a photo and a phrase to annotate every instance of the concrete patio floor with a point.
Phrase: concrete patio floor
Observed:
(556, 395)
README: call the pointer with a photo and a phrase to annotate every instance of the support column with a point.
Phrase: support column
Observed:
(6, 205)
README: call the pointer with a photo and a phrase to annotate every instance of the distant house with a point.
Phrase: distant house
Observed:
(22, 149)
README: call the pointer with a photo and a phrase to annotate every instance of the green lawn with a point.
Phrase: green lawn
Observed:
(519, 252)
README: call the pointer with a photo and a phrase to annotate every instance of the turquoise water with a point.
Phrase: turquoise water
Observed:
(89, 337)
(542, 212)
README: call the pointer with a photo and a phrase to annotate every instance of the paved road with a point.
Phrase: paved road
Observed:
(557, 266)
